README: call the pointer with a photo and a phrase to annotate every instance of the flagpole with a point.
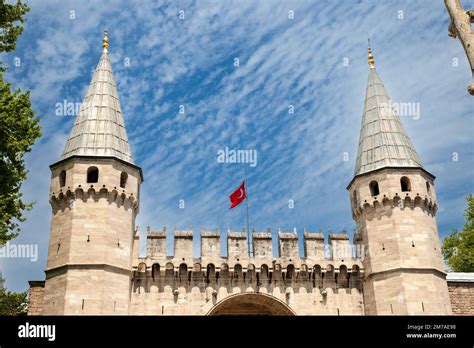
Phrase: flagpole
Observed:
(247, 204)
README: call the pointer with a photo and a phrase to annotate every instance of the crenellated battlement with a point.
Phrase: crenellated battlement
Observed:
(288, 244)
(320, 267)
(262, 244)
(314, 244)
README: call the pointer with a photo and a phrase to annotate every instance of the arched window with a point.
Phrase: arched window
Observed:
(123, 179)
(264, 272)
(405, 184)
(374, 188)
(62, 178)
(92, 175)
(427, 187)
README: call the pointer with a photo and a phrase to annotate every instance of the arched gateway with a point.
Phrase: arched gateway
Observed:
(251, 304)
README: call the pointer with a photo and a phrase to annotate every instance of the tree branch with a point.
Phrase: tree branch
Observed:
(461, 27)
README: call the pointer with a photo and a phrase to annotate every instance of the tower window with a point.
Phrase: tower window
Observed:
(405, 184)
(374, 188)
(92, 175)
(427, 187)
(123, 179)
(62, 178)
(354, 198)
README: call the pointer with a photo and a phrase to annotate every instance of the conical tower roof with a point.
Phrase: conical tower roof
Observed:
(99, 129)
(383, 140)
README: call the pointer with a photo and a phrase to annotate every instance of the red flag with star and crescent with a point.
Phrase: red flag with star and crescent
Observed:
(238, 196)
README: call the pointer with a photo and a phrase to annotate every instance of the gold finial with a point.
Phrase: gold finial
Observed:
(105, 41)
(371, 57)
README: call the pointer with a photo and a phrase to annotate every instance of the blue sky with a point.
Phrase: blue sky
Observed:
(283, 62)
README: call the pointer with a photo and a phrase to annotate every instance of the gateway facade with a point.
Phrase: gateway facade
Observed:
(94, 265)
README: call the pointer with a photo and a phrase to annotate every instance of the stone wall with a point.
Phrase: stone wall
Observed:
(300, 300)
(35, 297)
(343, 302)
(461, 293)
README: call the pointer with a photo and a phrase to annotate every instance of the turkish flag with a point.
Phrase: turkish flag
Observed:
(238, 196)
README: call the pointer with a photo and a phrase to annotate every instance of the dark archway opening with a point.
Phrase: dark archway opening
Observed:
(251, 304)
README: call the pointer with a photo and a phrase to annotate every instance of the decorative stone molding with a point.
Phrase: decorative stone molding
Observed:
(65, 198)
(407, 200)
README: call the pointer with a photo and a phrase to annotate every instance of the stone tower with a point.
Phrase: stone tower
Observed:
(94, 195)
(394, 204)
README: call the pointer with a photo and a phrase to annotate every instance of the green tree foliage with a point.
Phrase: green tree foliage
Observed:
(13, 303)
(458, 247)
(18, 129)
(11, 18)
(18, 132)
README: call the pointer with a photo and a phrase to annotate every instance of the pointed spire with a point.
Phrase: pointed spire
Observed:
(370, 56)
(99, 128)
(383, 140)
(105, 41)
